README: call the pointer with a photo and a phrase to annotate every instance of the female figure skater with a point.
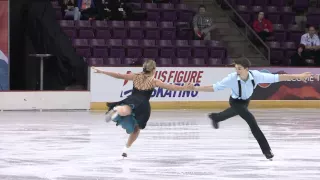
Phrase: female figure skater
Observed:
(133, 112)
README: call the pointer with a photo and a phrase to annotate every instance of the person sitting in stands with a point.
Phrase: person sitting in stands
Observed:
(299, 58)
(262, 26)
(202, 24)
(87, 9)
(70, 9)
(312, 44)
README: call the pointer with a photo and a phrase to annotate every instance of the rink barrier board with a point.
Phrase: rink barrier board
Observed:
(45, 100)
(254, 104)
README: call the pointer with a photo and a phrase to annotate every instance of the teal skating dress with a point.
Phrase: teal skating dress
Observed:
(141, 110)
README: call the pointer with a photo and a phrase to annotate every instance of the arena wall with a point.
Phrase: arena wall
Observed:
(294, 94)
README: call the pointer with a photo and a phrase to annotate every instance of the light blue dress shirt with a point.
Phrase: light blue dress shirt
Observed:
(231, 81)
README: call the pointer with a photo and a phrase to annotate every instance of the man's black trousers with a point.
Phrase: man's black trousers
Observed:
(240, 107)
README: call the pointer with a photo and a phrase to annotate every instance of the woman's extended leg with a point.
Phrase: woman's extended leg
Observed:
(132, 138)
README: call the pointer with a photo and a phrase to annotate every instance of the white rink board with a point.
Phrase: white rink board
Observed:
(107, 89)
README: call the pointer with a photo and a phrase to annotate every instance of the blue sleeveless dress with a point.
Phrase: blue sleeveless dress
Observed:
(141, 110)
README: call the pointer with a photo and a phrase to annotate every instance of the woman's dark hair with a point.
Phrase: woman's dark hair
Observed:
(243, 62)
(302, 46)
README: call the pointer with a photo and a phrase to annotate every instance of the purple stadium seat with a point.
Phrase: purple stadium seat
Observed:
(290, 49)
(168, 31)
(185, 14)
(183, 49)
(313, 19)
(112, 61)
(166, 49)
(150, 49)
(102, 29)
(300, 4)
(294, 33)
(277, 53)
(273, 14)
(83, 24)
(133, 48)
(135, 29)
(214, 62)
(131, 61)
(279, 32)
(136, 1)
(116, 48)
(85, 29)
(184, 31)
(244, 2)
(260, 2)
(82, 47)
(100, 49)
(279, 3)
(151, 30)
(168, 12)
(287, 16)
(71, 33)
(95, 61)
(181, 62)
(197, 62)
(164, 62)
(199, 49)
(257, 9)
(67, 24)
(153, 13)
(244, 13)
(216, 49)
(272, 9)
(118, 30)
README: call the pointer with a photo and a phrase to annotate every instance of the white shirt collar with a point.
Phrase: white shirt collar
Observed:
(249, 79)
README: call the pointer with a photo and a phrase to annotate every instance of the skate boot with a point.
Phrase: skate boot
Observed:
(110, 115)
(214, 121)
(124, 152)
(269, 155)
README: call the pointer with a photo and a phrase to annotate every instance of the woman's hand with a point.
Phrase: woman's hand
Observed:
(97, 70)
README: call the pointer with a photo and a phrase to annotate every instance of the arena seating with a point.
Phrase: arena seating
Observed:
(287, 33)
(165, 35)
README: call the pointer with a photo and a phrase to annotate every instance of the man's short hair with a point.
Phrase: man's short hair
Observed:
(202, 6)
(244, 62)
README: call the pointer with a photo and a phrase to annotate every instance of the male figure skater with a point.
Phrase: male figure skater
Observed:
(242, 83)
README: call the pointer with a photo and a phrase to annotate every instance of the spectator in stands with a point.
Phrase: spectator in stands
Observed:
(262, 26)
(106, 10)
(70, 9)
(87, 9)
(202, 24)
(312, 44)
(299, 58)
(118, 9)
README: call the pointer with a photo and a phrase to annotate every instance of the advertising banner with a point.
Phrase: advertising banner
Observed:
(4, 38)
(108, 89)
(290, 90)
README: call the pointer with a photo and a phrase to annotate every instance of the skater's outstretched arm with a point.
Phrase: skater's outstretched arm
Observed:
(221, 85)
(115, 75)
(273, 78)
(186, 87)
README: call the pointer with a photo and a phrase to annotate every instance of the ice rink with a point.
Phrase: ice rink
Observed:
(176, 145)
